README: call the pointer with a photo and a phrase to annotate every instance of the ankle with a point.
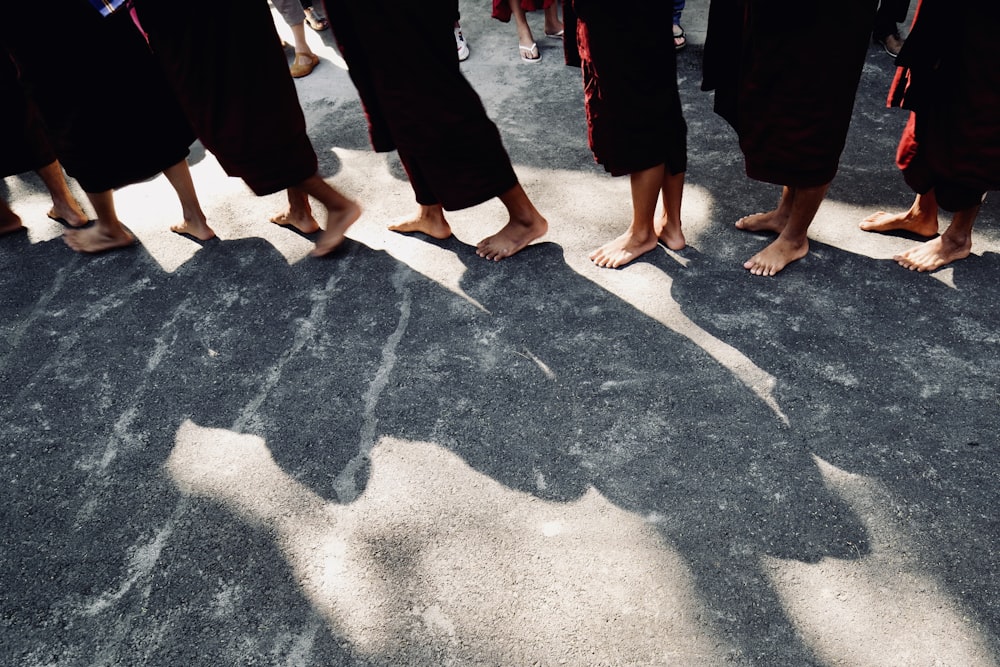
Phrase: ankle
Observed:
(958, 239)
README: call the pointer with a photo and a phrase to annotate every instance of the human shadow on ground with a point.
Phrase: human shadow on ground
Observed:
(556, 388)
(885, 373)
(110, 354)
(562, 387)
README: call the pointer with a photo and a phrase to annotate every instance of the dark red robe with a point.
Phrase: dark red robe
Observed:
(23, 143)
(109, 113)
(227, 67)
(785, 74)
(418, 102)
(634, 118)
(952, 140)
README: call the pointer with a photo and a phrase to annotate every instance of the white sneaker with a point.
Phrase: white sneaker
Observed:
(463, 48)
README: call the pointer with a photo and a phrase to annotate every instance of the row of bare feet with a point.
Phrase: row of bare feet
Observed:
(513, 237)
(518, 233)
(928, 256)
(96, 238)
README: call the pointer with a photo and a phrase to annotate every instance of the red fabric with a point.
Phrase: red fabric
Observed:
(501, 8)
(417, 101)
(910, 160)
(953, 88)
(231, 77)
(634, 118)
(785, 74)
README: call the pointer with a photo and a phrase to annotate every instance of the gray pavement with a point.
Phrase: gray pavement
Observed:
(230, 453)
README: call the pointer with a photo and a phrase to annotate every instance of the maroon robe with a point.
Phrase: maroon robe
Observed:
(634, 118)
(417, 101)
(109, 113)
(23, 143)
(952, 140)
(230, 74)
(785, 74)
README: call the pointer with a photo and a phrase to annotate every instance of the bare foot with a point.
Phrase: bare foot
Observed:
(300, 220)
(338, 221)
(512, 238)
(907, 221)
(671, 235)
(429, 220)
(97, 239)
(772, 221)
(624, 249)
(934, 254)
(10, 225)
(68, 216)
(779, 254)
(196, 228)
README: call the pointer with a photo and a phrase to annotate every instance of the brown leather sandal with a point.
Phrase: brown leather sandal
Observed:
(301, 69)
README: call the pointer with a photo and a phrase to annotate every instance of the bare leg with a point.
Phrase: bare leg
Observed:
(299, 36)
(341, 213)
(10, 222)
(921, 219)
(668, 230)
(65, 208)
(792, 243)
(524, 226)
(772, 221)
(528, 50)
(429, 220)
(553, 26)
(107, 232)
(640, 237)
(299, 214)
(195, 223)
(305, 60)
(953, 245)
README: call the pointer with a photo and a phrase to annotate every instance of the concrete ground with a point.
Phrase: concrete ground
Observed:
(230, 453)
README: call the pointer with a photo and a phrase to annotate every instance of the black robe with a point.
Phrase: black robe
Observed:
(402, 59)
(230, 74)
(109, 113)
(785, 74)
(634, 118)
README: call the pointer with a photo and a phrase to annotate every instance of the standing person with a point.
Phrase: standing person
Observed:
(314, 18)
(66, 68)
(417, 102)
(680, 39)
(243, 105)
(789, 94)
(26, 148)
(294, 14)
(634, 118)
(949, 153)
(527, 48)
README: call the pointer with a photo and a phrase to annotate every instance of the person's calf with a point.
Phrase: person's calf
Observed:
(299, 214)
(10, 222)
